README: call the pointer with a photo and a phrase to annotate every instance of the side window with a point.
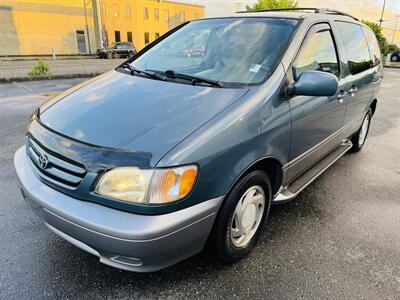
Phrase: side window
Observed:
(317, 53)
(373, 46)
(355, 44)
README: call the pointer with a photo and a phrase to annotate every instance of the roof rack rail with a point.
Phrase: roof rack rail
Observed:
(314, 9)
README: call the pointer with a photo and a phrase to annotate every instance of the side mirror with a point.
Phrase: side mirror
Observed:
(314, 83)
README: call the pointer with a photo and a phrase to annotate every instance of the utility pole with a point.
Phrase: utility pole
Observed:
(383, 9)
(395, 29)
(97, 23)
(87, 26)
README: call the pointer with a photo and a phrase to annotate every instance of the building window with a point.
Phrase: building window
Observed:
(128, 12)
(166, 15)
(80, 38)
(156, 14)
(117, 36)
(156, 35)
(146, 38)
(129, 36)
(146, 13)
(115, 10)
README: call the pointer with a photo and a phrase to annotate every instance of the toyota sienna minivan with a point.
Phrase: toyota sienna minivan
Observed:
(146, 164)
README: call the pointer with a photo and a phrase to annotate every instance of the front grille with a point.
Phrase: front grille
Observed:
(58, 170)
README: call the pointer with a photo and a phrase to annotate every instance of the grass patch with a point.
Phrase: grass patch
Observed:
(40, 69)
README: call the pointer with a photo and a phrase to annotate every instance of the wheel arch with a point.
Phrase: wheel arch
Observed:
(270, 165)
(373, 106)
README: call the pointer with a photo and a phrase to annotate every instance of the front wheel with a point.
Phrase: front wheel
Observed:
(360, 137)
(241, 217)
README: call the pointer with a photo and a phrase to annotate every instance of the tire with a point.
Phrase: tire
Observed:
(224, 241)
(131, 54)
(394, 58)
(361, 135)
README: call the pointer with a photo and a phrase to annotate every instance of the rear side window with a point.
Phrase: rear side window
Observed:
(318, 53)
(355, 44)
(373, 46)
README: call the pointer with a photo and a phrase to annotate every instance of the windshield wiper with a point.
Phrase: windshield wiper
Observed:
(133, 70)
(192, 78)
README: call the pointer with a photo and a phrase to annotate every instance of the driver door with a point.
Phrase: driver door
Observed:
(316, 121)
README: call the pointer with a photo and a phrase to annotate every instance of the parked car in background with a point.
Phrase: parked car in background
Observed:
(117, 50)
(395, 57)
(144, 165)
(192, 52)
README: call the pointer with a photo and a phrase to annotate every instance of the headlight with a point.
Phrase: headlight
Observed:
(147, 186)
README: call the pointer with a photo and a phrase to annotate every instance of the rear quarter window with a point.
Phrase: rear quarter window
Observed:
(355, 44)
(373, 46)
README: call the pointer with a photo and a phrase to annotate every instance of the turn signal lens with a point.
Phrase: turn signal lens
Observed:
(169, 185)
(187, 182)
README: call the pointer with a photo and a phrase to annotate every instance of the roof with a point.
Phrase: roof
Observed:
(295, 13)
(274, 14)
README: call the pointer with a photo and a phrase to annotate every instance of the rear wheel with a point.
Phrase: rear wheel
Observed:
(360, 137)
(241, 217)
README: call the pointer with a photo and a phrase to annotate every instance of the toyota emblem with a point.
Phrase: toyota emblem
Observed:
(43, 161)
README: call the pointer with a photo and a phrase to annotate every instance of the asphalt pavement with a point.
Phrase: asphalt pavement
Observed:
(339, 239)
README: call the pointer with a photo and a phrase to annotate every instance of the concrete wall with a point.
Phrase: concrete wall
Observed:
(33, 27)
(37, 27)
(114, 17)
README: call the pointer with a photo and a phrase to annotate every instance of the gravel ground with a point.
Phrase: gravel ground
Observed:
(339, 239)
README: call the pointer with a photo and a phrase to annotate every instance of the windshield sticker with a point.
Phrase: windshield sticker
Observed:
(255, 68)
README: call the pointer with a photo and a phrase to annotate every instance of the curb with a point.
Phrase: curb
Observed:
(49, 77)
(392, 67)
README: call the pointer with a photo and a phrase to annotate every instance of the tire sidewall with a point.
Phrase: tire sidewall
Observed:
(369, 113)
(355, 139)
(226, 250)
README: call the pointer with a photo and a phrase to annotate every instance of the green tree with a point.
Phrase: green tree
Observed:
(269, 4)
(383, 43)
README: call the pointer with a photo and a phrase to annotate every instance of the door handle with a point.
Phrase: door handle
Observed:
(353, 89)
(342, 94)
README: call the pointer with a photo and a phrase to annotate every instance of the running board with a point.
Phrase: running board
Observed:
(286, 194)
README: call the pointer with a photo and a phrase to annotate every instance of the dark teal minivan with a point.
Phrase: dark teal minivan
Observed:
(144, 165)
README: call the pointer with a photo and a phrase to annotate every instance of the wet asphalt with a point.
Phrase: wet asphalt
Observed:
(339, 239)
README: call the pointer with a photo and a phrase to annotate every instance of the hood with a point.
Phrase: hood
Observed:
(135, 113)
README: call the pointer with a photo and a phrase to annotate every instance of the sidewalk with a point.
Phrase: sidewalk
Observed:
(17, 70)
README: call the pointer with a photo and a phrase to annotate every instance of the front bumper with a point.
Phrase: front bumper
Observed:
(120, 239)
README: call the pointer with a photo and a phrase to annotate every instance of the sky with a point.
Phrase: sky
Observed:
(226, 7)
(362, 9)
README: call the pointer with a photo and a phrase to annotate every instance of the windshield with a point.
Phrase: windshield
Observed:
(229, 50)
